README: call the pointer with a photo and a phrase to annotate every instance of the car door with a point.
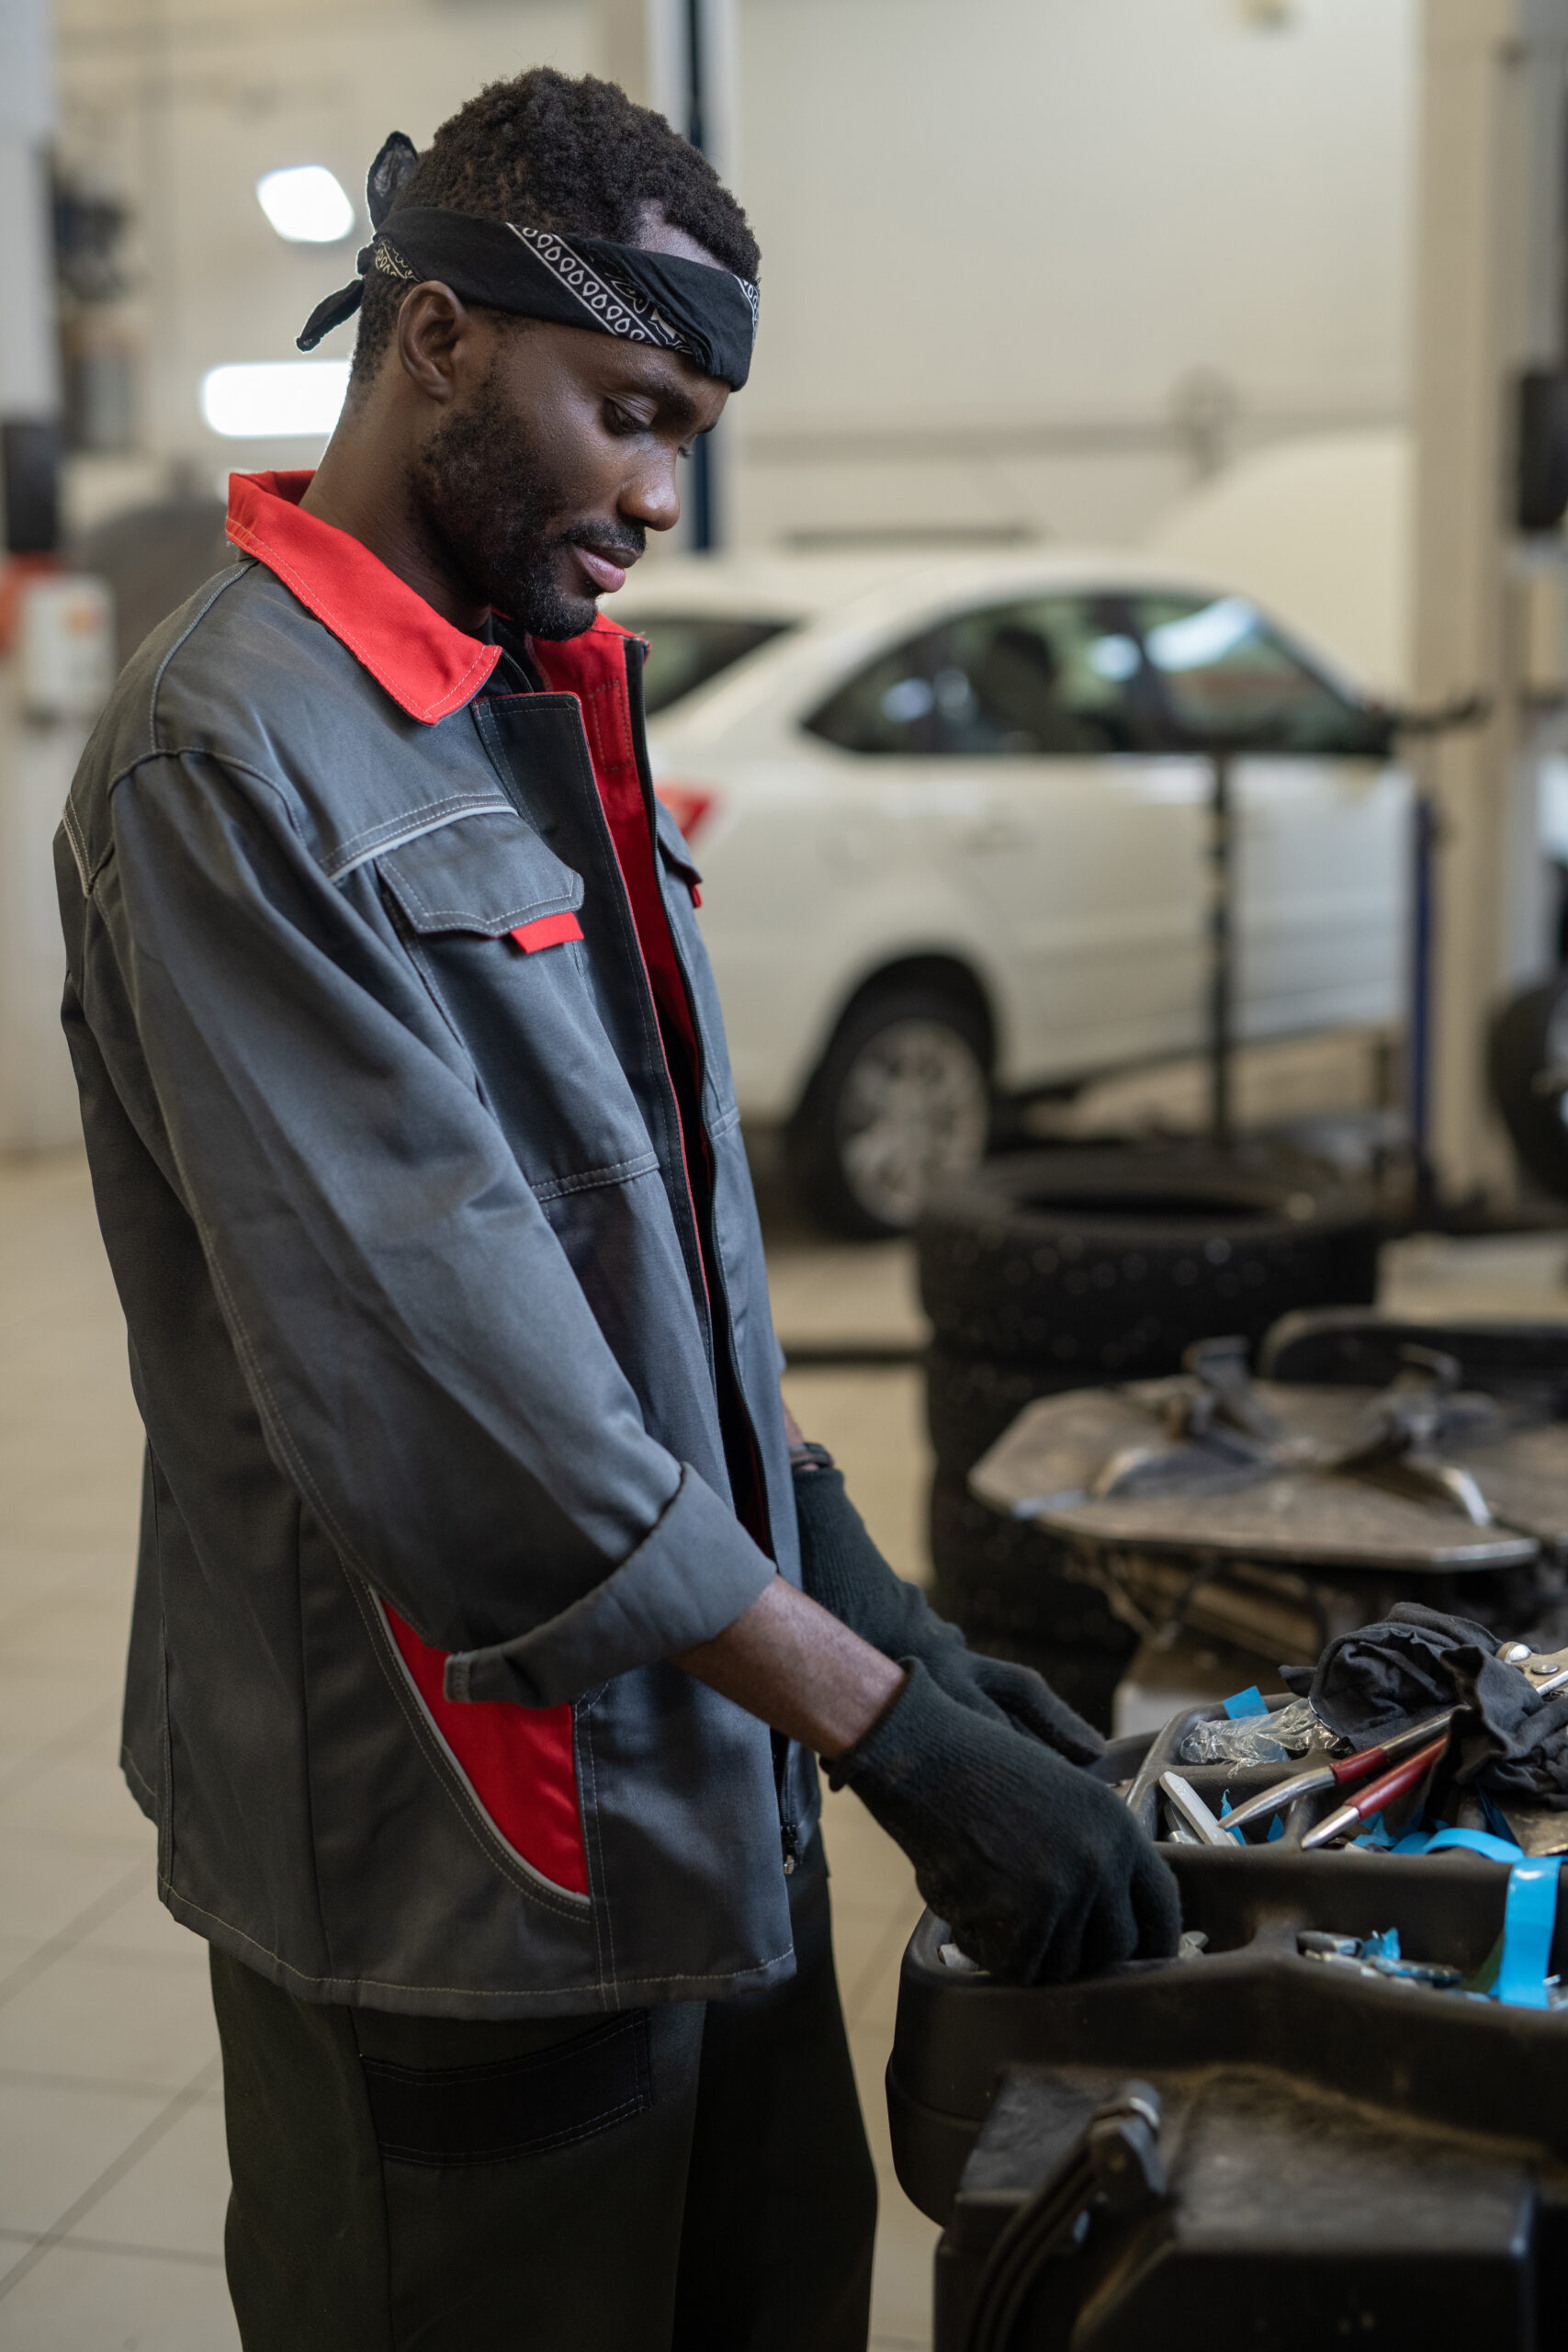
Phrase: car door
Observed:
(1321, 818)
(1051, 801)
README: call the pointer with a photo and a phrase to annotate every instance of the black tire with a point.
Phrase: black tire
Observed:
(1001, 1580)
(970, 1400)
(833, 1149)
(1526, 1067)
(1105, 1265)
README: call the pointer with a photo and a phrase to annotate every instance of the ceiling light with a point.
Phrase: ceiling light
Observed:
(275, 398)
(306, 205)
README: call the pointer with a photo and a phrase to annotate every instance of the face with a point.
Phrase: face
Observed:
(548, 453)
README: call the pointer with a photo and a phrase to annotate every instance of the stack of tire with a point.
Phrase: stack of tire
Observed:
(1076, 1267)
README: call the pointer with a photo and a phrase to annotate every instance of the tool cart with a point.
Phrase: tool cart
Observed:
(1341, 2115)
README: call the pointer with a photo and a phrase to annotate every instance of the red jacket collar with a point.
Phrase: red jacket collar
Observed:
(427, 666)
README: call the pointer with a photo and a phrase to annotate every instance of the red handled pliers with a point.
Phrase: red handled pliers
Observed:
(1345, 1774)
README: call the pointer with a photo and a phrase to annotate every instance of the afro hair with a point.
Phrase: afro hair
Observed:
(564, 155)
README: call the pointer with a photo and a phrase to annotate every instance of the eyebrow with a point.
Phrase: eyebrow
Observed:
(670, 392)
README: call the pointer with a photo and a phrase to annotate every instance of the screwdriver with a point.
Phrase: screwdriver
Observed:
(1371, 1801)
(1342, 1775)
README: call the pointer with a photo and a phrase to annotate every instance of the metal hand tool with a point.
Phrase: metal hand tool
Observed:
(1341, 1775)
(1189, 1806)
(1546, 1670)
(1371, 1801)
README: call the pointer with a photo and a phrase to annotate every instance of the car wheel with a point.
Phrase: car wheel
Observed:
(900, 1106)
(1109, 1265)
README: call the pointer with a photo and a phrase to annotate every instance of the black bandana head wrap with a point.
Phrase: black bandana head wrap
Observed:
(659, 298)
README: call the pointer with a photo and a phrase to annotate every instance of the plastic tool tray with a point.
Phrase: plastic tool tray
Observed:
(1250, 2145)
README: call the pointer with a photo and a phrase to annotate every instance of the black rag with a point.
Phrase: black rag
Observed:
(1510, 1741)
(623, 291)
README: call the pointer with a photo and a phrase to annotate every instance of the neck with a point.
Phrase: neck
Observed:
(358, 488)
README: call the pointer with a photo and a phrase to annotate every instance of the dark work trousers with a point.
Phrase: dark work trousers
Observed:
(686, 2178)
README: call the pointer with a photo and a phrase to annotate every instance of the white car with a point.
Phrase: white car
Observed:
(953, 819)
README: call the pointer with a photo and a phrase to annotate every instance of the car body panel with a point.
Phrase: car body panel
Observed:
(1074, 889)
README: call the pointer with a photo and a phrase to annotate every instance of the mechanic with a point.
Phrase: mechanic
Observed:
(473, 1686)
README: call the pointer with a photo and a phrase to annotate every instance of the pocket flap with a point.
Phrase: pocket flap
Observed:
(484, 872)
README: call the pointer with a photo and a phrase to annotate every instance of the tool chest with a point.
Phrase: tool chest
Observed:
(1264, 2142)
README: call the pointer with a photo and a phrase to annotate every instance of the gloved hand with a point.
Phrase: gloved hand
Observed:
(1042, 1873)
(842, 1569)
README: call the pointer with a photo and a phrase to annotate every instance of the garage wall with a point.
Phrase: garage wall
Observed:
(1024, 259)
(179, 106)
(1028, 263)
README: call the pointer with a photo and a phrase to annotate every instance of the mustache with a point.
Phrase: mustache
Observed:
(629, 540)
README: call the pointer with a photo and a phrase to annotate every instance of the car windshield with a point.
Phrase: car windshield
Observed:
(686, 650)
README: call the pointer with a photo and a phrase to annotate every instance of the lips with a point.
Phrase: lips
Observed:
(606, 575)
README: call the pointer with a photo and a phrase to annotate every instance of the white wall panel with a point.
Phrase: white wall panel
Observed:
(1050, 212)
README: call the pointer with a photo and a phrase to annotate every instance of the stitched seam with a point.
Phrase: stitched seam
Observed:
(224, 583)
(484, 662)
(495, 1848)
(592, 1839)
(534, 2066)
(566, 2138)
(76, 843)
(622, 1172)
(469, 1991)
(166, 1822)
(272, 1414)
(355, 848)
(725, 1121)
(413, 949)
(269, 784)
(493, 925)
(128, 1766)
(305, 1730)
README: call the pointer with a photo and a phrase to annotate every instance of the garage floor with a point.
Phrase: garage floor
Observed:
(112, 2175)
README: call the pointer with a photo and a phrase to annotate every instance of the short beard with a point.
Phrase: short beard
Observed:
(486, 495)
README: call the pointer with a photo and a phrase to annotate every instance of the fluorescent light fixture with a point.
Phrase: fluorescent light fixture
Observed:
(275, 398)
(306, 204)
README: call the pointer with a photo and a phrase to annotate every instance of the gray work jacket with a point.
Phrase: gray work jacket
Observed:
(420, 1326)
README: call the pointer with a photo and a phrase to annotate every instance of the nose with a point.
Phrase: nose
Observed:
(652, 496)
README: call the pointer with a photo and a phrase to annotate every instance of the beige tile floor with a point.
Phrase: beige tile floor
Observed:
(112, 2169)
(112, 2175)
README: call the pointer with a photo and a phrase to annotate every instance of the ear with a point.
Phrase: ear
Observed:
(436, 337)
(389, 174)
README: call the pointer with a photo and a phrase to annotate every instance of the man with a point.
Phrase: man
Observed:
(472, 1685)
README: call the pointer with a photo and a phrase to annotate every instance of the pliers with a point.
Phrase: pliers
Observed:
(1342, 1775)
(1371, 1801)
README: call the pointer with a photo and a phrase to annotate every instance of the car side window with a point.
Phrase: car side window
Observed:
(1226, 678)
(1051, 676)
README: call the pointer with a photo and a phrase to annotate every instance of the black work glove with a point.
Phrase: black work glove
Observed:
(1041, 1872)
(841, 1568)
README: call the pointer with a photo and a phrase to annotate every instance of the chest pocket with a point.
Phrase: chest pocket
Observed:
(486, 873)
(477, 900)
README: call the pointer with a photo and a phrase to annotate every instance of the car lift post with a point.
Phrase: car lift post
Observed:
(680, 57)
(1488, 565)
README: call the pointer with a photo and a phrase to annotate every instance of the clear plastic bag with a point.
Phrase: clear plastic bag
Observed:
(1290, 1732)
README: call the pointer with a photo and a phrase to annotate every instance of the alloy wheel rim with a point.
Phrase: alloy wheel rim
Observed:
(913, 1112)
